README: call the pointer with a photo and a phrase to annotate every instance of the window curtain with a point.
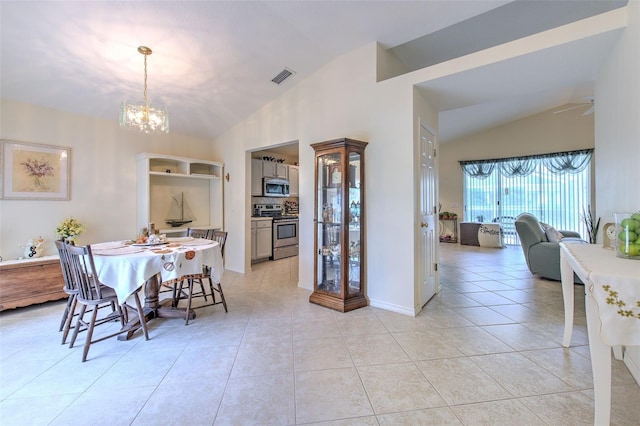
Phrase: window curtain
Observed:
(518, 167)
(479, 169)
(568, 162)
(557, 162)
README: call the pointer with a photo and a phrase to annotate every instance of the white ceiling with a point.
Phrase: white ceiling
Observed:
(213, 60)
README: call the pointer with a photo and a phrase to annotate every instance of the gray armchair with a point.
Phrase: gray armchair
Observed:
(542, 255)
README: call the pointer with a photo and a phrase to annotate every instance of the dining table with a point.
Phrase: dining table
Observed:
(126, 266)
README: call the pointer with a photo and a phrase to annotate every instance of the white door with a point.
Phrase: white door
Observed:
(428, 232)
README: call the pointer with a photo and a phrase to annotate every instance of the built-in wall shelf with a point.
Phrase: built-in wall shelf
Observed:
(168, 186)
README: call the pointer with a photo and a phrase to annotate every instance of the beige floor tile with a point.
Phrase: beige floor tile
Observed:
(394, 321)
(201, 363)
(475, 341)
(432, 416)
(354, 421)
(23, 411)
(321, 354)
(506, 412)
(261, 400)
(570, 408)
(566, 364)
(185, 403)
(398, 387)
(519, 375)
(482, 315)
(330, 395)
(519, 337)
(442, 318)
(625, 403)
(456, 300)
(375, 349)
(264, 357)
(426, 344)
(359, 324)
(460, 381)
(99, 407)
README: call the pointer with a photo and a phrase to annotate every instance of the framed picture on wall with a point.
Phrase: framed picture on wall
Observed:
(35, 172)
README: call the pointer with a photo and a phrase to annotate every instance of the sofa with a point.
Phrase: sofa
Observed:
(541, 246)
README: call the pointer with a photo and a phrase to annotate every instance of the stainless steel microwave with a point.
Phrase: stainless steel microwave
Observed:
(275, 187)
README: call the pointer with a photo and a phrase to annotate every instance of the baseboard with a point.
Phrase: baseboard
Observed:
(391, 307)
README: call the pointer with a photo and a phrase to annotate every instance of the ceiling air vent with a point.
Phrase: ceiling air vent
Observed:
(283, 75)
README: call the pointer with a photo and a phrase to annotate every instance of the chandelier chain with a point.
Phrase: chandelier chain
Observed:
(145, 79)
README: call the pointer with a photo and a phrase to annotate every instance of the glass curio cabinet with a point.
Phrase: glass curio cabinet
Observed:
(339, 212)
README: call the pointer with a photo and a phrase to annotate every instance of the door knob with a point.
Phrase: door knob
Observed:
(424, 225)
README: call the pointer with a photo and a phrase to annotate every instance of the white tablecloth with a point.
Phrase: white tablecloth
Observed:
(126, 268)
(614, 284)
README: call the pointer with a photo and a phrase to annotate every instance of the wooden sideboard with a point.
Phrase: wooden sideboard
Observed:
(30, 281)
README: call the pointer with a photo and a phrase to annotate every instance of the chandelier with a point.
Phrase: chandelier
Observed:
(144, 117)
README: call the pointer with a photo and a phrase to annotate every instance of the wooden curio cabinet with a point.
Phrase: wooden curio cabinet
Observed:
(339, 234)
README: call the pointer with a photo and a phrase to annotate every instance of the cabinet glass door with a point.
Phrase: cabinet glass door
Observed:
(329, 216)
(354, 223)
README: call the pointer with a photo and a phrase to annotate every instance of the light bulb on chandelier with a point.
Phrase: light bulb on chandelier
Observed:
(144, 117)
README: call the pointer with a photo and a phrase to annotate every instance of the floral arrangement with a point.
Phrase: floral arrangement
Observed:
(38, 169)
(69, 229)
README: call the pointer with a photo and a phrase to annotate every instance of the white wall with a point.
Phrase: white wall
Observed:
(537, 134)
(340, 100)
(617, 135)
(103, 175)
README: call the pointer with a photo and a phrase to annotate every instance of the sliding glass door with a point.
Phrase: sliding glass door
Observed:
(556, 188)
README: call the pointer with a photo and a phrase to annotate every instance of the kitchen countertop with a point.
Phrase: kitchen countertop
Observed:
(257, 218)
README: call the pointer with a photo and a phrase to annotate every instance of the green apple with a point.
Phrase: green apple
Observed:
(629, 224)
(634, 250)
(636, 216)
(627, 236)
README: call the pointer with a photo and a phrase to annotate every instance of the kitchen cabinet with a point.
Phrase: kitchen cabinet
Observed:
(293, 181)
(339, 237)
(168, 186)
(274, 170)
(256, 177)
(261, 238)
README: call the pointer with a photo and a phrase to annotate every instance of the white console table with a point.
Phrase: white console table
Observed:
(612, 305)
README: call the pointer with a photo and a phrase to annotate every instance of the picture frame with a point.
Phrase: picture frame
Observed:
(335, 175)
(31, 171)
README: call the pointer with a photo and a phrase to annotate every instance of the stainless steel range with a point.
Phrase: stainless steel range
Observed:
(285, 229)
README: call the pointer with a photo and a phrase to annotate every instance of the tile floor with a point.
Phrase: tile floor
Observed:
(485, 351)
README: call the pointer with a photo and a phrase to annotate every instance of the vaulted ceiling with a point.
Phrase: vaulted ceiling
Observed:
(213, 61)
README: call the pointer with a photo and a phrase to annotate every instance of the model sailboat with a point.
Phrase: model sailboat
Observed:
(179, 212)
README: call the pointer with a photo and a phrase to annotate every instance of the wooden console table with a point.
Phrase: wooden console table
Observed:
(612, 298)
(28, 281)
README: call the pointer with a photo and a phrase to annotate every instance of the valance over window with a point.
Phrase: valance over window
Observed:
(558, 162)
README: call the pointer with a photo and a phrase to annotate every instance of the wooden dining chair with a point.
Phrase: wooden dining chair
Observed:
(71, 290)
(173, 285)
(185, 287)
(92, 294)
(199, 233)
(221, 238)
